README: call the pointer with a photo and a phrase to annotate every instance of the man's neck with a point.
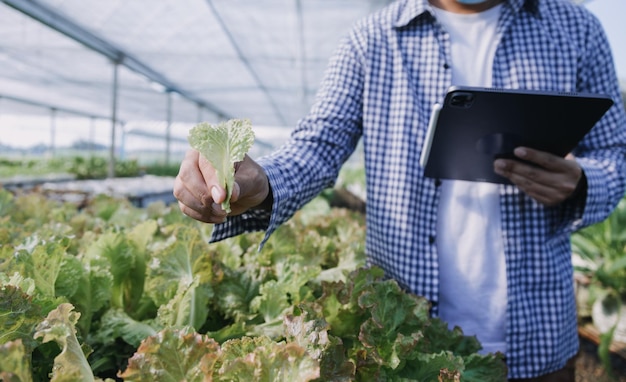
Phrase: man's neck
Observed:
(456, 7)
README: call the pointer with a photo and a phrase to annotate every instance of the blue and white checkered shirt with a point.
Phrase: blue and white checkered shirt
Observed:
(380, 87)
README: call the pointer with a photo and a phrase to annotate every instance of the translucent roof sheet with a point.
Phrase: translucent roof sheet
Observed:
(257, 59)
(179, 62)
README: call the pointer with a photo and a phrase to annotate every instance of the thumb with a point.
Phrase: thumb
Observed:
(234, 196)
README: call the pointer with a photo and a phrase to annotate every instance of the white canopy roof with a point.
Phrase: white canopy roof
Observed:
(156, 67)
(199, 59)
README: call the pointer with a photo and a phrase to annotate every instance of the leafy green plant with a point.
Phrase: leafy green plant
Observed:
(95, 167)
(92, 167)
(32, 167)
(160, 169)
(602, 247)
(365, 329)
(119, 292)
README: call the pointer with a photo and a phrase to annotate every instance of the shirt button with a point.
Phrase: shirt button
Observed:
(437, 182)
(431, 239)
(446, 66)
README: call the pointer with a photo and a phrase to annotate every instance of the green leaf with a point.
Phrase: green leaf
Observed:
(188, 306)
(15, 362)
(42, 262)
(19, 316)
(484, 368)
(432, 366)
(311, 332)
(260, 359)
(59, 326)
(171, 356)
(223, 145)
(6, 202)
(115, 323)
(124, 256)
(339, 301)
(180, 279)
(235, 293)
(113, 252)
(393, 330)
(289, 289)
(71, 272)
(604, 352)
(93, 294)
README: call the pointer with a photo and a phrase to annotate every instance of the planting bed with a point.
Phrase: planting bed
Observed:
(241, 291)
(140, 191)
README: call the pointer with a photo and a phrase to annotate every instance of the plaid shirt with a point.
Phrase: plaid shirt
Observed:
(380, 87)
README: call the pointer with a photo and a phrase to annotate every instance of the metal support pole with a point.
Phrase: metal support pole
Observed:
(168, 129)
(122, 152)
(304, 101)
(111, 171)
(92, 136)
(199, 118)
(53, 132)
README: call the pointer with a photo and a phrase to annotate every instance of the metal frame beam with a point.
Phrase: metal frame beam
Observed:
(42, 105)
(62, 24)
(246, 62)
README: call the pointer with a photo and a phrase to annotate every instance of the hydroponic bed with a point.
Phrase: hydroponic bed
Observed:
(140, 191)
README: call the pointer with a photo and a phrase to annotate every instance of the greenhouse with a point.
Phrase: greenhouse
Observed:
(104, 278)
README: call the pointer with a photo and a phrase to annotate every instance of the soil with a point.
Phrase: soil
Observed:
(590, 369)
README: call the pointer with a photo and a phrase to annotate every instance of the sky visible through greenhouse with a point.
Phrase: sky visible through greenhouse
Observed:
(31, 131)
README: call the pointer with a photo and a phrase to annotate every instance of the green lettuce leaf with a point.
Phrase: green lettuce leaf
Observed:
(235, 293)
(60, 326)
(15, 362)
(115, 323)
(19, 314)
(92, 295)
(262, 359)
(42, 261)
(443, 366)
(180, 279)
(484, 368)
(290, 288)
(223, 145)
(125, 256)
(309, 330)
(6, 202)
(173, 355)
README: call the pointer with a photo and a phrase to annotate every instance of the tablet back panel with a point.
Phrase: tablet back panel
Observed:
(475, 126)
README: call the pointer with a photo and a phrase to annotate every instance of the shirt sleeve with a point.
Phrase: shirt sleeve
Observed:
(321, 143)
(602, 153)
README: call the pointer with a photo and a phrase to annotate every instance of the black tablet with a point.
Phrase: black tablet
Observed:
(474, 126)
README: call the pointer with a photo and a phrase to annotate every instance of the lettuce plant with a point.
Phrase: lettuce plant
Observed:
(110, 280)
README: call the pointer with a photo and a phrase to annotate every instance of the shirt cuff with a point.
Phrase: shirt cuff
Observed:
(249, 221)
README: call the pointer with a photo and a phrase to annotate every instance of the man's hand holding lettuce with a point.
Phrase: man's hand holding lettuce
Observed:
(223, 145)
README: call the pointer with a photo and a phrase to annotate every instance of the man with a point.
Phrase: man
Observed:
(493, 259)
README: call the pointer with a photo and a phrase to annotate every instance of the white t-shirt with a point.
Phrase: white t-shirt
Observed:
(472, 270)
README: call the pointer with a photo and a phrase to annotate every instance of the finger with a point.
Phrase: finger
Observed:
(542, 193)
(218, 194)
(190, 178)
(212, 214)
(543, 159)
(546, 187)
(193, 213)
(191, 192)
(190, 201)
(234, 196)
(211, 182)
(558, 172)
(520, 173)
